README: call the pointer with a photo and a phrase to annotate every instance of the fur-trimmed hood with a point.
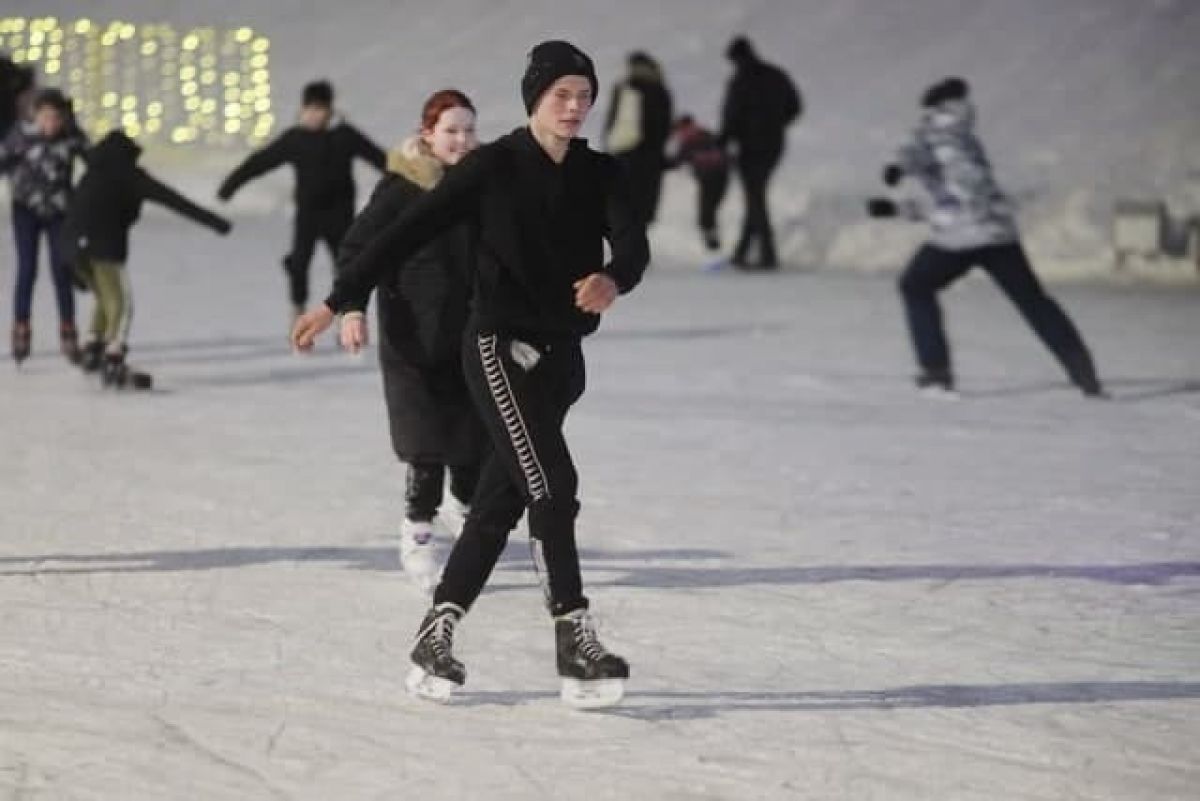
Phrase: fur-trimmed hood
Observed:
(412, 159)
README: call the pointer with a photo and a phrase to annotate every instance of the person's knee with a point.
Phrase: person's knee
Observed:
(552, 514)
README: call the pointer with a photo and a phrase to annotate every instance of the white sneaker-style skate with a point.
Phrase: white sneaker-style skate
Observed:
(419, 553)
(454, 514)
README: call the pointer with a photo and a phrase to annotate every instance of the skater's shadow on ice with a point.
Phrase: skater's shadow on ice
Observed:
(1123, 390)
(363, 558)
(383, 558)
(692, 578)
(629, 566)
(690, 705)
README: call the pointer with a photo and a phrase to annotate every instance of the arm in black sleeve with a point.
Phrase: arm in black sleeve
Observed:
(426, 217)
(731, 113)
(626, 235)
(367, 150)
(388, 201)
(260, 162)
(158, 192)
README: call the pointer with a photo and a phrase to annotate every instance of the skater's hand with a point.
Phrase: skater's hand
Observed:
(309, 326)
(595, 293)
(354, 332)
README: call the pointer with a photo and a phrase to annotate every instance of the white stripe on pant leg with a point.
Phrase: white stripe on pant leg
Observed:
(514, 423)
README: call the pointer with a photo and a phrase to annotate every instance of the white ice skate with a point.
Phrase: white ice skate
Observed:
(419, 553)
(454, 514)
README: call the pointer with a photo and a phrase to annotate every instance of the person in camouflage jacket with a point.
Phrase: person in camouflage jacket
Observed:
(40, 159)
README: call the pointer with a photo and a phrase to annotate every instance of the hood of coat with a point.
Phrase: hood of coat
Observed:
(413, 160)
(115, 151)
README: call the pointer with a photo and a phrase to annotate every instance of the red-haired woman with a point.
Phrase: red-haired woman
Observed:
(422, 312)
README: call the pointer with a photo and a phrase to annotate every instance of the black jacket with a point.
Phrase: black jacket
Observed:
(322, 160)
(760, 102)
(656, 113)
(108, 201)
(423, 306)
(538, 227)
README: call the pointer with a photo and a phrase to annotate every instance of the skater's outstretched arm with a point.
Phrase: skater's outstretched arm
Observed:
(626, 235)
(451, 201)
(260, 162)
(153, 190)
(367, 150)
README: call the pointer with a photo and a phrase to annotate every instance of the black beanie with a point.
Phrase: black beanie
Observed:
(550, 61)
(945, 90)
(318, 93)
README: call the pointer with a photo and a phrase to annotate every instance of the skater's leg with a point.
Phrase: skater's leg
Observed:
(60, 270)
(296, 263)
(106, 283)
(26, 233)
(423, 491)
(1009, 267)
(464, 478)
(755, 171)
(495, 510)
(523, 406)
(930, 271)
(712, 191)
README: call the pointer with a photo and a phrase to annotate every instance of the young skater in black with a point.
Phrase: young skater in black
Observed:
(541, 204)
(422, 313)
(698, 148)
(106, 205)
(321, 149)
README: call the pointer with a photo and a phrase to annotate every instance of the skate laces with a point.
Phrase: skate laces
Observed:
(440, 632)
(586, 637)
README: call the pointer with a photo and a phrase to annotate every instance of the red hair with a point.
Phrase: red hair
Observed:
(441, 101)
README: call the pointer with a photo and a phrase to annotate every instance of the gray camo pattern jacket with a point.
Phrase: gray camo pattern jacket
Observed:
(965, 206)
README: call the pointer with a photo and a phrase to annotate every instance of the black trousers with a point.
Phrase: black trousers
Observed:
(328, 225)
(643, 177)
(755, 169)
(933, 269)
(713, 186)
(423, 487)
(522, 391)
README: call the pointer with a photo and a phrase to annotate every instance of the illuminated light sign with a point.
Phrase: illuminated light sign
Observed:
(161, 83)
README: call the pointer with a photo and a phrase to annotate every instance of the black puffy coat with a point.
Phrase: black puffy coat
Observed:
(422, 313)
(108, 201)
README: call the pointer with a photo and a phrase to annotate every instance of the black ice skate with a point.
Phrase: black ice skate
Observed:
(92, 357)
(22, 337)
(435, 673)
(937, 384)
(117, 374)
(591, 676)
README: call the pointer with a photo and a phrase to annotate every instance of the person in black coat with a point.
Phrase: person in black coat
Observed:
(637, 129)
(321, 150)
(760, 103)
(15, 81)
(422, 313)
(106, 204)
(542, 205)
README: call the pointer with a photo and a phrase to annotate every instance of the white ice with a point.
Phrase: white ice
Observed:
(827, 585)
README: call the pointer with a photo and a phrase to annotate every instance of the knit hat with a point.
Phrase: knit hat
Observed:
(53, 98)
(550, 61)
(318, 93)
(944, 91)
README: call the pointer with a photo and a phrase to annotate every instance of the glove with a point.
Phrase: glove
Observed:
(223, 227)
(892, 174)
(881, 207)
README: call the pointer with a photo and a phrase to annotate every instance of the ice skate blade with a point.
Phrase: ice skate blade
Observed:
(424, 685)
(593, 694)
(939, 394)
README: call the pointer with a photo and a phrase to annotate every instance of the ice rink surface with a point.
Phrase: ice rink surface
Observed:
(828, 586)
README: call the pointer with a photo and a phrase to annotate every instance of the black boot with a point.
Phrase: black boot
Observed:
(114, 371)
(68, 340)
(591, 676)
(22, 338)
(92, 356)
(435, 672)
